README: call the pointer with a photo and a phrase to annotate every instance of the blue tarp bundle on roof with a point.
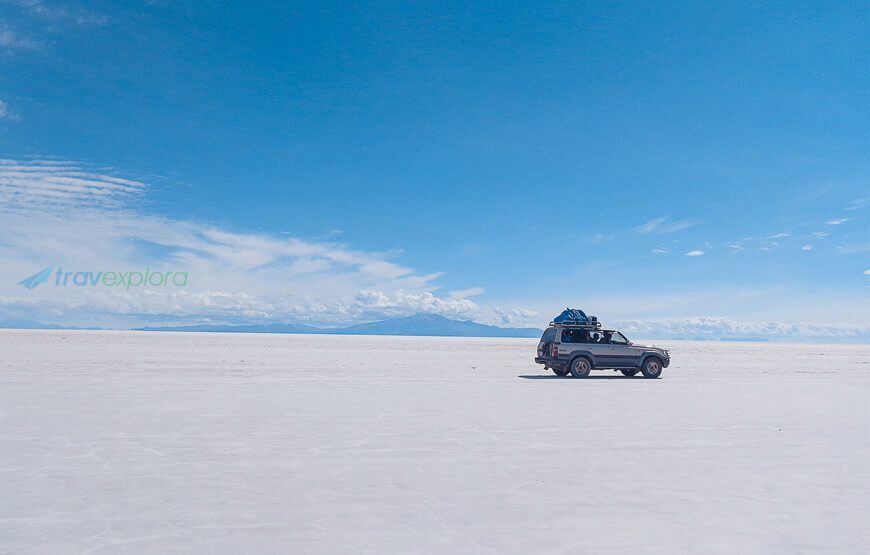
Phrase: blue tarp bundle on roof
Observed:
(572, 314)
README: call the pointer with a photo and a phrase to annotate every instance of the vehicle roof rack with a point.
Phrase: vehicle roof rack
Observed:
(592, 324)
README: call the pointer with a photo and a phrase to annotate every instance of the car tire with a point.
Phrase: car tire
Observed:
(560, 371)
(652, 368)
(580, 367)
(629, 372)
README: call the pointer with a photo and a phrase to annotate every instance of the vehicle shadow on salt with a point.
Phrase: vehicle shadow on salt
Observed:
(543, 377)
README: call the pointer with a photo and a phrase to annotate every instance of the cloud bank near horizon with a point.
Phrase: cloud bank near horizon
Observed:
(77, 217)
(716, 328)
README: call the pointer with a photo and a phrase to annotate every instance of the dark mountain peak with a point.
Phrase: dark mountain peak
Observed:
(428, 324)
(425, 317)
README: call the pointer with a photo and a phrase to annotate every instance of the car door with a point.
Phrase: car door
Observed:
(622, 354)
(599, 349)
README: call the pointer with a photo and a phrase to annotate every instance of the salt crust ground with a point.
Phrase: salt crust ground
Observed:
(150, 442)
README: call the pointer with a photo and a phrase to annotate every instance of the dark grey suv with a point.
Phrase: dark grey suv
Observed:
(580, 349)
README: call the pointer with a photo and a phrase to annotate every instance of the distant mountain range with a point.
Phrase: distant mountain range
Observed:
(32, 325)
(267, 328)
(418, 324)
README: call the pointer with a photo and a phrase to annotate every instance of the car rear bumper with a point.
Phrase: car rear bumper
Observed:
(551, 362)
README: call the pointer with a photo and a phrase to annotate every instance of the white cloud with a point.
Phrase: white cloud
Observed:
(807, 248)
(51, 186)
(63, 214)
(4, 110)
(858, 204)
(783, 303)
(734, 247)
(663, 225)
(10, 40)
(867, 272)
(837, 221)
(857, 248)
(517, 317)
(695, 253)
(821, 234)
(727, 328)
(59, 12)
(592, 239)
(377, 304)
(466, 293)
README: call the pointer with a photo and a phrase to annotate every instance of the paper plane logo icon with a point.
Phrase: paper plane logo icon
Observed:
(36, 279)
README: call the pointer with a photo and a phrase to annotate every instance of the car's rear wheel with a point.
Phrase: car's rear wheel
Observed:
(580, 367)
(652, 368)
(561, 371)
(629, 372)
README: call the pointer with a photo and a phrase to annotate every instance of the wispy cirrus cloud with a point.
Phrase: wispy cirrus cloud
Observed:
(837, 221)
(33, 25)
(41, 185)
(12, 40)
(858, 203)
(855, 248)
(61, 213)
(466, 293)
(596, 238)
(59, 11)
(665, 225)
(695, 253)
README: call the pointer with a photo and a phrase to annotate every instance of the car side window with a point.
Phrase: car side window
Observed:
(549, 335)
(618, 339)
(574, 336)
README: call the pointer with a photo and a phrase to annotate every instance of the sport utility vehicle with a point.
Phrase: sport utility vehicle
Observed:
(581, 348)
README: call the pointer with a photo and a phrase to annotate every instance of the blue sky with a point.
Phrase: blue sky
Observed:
(495, 162)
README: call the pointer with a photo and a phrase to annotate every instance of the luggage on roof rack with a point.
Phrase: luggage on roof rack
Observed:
(572, 314)
(576, 317)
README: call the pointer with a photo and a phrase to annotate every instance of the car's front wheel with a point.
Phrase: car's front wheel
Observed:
(629, 372)
(652, 368)
(561, 371)
(580, 367)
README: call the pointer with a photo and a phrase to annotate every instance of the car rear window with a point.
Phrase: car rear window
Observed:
(549, 335)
